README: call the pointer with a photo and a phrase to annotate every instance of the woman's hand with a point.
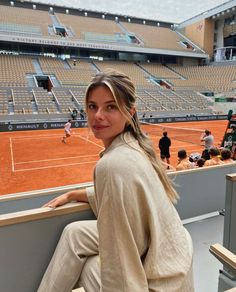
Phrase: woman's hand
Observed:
(59, 201)
(76, 195)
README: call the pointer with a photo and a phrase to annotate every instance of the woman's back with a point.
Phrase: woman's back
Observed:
(145, 220)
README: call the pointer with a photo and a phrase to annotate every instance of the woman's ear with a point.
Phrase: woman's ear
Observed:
(132, 110)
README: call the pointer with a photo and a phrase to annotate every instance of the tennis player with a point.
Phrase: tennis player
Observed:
(67, 129)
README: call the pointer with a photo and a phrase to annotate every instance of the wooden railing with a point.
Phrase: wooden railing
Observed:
(226, 254)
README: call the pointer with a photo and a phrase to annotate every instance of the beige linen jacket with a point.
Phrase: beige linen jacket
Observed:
(143, 245)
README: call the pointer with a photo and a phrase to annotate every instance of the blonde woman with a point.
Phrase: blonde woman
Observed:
(138, 242)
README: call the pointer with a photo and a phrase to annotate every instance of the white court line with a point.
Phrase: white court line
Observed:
(173, 127)
(12, 159)
(55, 136)
(45, 167)
(183, 128)
(37, 137)
(54, 159)
(54, 166)
(87, 140)
(187, 146)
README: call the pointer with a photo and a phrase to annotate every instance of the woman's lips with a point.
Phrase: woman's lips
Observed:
(99, 127)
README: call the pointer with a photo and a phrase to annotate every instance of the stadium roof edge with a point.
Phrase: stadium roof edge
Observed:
(209, 13)
(126, 16)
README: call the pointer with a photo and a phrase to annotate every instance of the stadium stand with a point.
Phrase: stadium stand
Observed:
(24, 21)
(150, 37)
(180, 97)
(208, 77)
(92, 29)
(169, 81)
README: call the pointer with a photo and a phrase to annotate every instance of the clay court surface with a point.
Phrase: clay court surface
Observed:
(33, 160)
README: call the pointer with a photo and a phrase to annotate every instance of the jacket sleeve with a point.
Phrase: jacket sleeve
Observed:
(92, 200)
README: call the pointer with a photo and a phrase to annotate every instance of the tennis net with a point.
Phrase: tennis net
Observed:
(189, 135)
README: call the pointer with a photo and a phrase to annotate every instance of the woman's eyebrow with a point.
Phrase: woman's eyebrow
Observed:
(106, 102)
(110, 101)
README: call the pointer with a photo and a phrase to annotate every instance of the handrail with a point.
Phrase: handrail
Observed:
(230, 290)
(43, 192)
(42, 213)
(224, 255)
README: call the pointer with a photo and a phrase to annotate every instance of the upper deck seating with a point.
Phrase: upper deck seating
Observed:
(23, 20)
(82, 27)
(150, 36)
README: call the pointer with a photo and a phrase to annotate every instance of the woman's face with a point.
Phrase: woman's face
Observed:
(104, 117)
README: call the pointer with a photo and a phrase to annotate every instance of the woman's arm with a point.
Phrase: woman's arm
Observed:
(76, 195)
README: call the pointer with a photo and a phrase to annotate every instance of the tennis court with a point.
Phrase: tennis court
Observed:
(32, 160)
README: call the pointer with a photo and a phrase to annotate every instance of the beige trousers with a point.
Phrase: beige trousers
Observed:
(75, 262)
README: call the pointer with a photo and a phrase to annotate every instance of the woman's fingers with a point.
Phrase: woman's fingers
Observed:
(61, 200)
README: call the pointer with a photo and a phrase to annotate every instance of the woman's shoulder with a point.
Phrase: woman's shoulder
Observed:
(123, 159)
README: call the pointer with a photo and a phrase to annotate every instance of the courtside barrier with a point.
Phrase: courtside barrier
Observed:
(28, 240)
(201, 191)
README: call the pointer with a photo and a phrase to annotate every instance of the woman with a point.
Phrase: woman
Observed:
(138, 242)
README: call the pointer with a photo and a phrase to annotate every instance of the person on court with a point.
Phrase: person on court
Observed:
(138, 242)
(164, 146)
(208, 140)
(67, 129)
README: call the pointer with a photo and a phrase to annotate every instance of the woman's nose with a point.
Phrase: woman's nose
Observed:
(99, 113)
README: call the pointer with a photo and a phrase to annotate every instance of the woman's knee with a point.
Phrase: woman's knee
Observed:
(81, 235)
(74, 229)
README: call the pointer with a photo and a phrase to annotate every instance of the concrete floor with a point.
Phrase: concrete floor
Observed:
(205, 265)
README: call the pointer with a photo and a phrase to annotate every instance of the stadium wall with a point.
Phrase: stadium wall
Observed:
(197, 196)
(202, 33)
(11, 126)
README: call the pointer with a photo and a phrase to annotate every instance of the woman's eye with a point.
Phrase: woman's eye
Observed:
(91, 106)
(111, 107)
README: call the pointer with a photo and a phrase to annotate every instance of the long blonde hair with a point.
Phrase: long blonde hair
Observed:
(123, 91)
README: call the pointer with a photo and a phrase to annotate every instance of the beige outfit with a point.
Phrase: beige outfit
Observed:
(141, 242)
(184, 164)
(213, 161)
(228, 161)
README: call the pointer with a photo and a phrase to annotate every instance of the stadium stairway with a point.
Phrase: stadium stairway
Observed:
(37, 67)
